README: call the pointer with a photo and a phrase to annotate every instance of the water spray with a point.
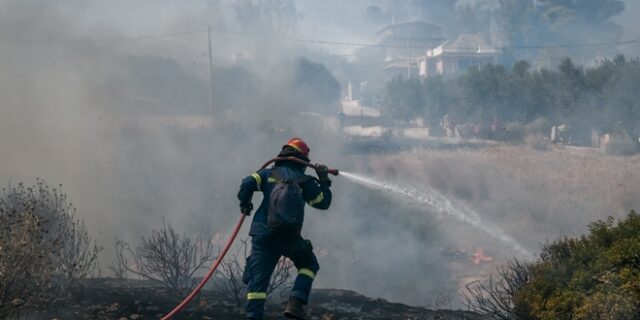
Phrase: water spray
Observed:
(232, 238)
(441, 206)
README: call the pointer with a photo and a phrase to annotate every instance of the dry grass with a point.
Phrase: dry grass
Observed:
(533, 195)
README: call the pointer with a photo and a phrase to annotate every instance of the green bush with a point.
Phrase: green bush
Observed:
(596, 276)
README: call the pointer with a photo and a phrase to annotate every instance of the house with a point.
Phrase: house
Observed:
(403, 43)
(457, 55)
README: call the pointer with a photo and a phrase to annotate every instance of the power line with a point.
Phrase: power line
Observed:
(578, 45)
(345, 44)
(146, 37)
(323, 42)
(357, 44)
(115, 39)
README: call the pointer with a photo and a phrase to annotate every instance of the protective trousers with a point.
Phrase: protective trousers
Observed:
(265, 254)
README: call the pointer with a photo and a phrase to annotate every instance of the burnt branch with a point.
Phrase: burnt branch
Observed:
(282, 276)
(167, 258)
(45, 251)
(494, 297)
(229, 278)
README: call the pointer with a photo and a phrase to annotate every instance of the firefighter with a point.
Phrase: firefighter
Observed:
(269, 244)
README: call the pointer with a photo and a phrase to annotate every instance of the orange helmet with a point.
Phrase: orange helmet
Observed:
(299, 145)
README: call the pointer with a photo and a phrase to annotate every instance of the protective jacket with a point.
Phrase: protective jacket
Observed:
(316, 193)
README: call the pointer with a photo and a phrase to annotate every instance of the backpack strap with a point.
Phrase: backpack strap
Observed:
(277, 173)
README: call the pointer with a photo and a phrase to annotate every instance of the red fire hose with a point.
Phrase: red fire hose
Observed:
(232, 238)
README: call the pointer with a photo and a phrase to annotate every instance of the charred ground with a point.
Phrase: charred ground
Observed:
(109, 298)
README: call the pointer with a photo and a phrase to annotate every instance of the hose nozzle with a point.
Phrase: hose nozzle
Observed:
(334, 172)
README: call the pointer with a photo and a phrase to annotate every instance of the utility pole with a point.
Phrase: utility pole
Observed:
(210, 77)
(409, 59)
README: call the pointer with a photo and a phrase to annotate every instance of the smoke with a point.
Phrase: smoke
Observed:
(631, 28)
(120, 121)
(110, 99)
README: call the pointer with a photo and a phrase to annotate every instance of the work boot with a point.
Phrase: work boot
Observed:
(295, 309)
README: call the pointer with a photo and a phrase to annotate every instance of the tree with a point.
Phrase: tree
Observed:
(622, 98)
(520, 93)
(572, 86)
(267, 16)
(600, 97)
(486, 93)
(553, 22)
(440, 95)
(437, 11)
(235, 87)
(160, 84)
(404, 99)
(471, 18)
(316, 84)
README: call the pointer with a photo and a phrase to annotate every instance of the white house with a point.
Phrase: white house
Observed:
(457, 55)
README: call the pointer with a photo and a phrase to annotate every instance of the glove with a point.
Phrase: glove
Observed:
(246, 208)
(323, 172)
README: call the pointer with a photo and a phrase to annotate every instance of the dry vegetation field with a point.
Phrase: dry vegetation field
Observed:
(534, 196)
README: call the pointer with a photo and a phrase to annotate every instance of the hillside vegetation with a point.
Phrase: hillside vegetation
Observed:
(594, 276)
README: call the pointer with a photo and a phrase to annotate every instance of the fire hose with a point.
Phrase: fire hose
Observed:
(230, 241)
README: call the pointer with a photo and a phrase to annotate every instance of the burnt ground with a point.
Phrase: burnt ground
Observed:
(111, 299)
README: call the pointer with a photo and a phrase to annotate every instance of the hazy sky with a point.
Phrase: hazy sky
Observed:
(333, 20)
